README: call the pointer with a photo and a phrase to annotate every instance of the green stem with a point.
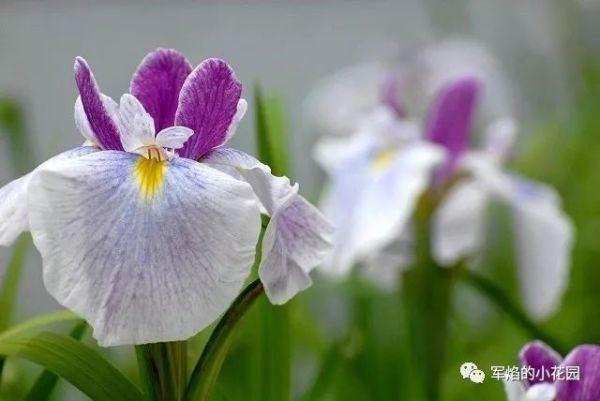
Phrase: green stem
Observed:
(205, 373)
(426, 294)
(504, 303)
(163, 370)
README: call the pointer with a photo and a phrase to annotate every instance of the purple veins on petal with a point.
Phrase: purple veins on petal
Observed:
(451, 116)
(540, 357)
(207, 104)
(585, 359)
(157, 83)
(99, 116)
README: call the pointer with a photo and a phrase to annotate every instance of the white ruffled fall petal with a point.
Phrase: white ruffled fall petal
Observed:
(14, 218)
(295, 242)
(14, 212)
(458, 226)
(543, 234)
(544, 238)
(297, 238)
(388, 201)
(142, 258)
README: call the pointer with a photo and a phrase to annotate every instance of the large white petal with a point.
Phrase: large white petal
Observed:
(543, 234)
(13, 210)
(14, 215)
(385, 267)
(297, 238)
(458, 226)
(142, 259)
(544, 239)
(387, 203)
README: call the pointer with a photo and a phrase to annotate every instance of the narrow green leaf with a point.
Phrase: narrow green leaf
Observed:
(12, 126)
(206, 371)
(36, 324)
(47, 380)
(9, 287)
(76, 363)
(274, 348)
(271, 132)
(503, 302)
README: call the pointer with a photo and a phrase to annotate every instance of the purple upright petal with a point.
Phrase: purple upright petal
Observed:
(157, 82)
(390, 93)
(207, 104)
(587, 388)
(100, 118)
(540, 357)
(451, 116)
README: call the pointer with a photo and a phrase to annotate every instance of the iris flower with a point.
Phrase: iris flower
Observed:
(149, 230)
(543, 362)
(378, 174)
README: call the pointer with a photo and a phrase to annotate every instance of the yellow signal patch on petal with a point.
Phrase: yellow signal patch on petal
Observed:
(150, 175)
(383, 160)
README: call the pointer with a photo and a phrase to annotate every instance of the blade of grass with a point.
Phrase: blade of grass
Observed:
(76, 363)
(206, 372)
(46, 382)
(503, 302)
(273, 379)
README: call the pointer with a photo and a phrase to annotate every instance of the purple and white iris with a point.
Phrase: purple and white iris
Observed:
(396, 153)
(546, 385)
(149, 230)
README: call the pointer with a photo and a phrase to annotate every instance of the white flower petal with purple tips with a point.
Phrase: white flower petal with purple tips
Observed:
(298, 237)
(208, 104)
(143, 255)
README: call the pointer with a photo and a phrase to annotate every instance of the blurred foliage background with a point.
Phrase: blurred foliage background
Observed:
(347, 339)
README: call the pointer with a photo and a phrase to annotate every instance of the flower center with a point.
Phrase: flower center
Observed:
(383, 160)
(150, 175)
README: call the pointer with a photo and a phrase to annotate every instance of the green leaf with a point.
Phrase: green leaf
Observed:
(12, 126)
(206, 371)
(274, 347)
(271, 132)
(47, 380)
(36, 324)
(9, 287)
(76, 363)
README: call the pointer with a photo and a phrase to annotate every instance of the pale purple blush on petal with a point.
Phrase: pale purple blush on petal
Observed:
(540, 357)
(157, 82)
(102, 123)
(451, 116)
(207, 104)
(587, 388)
(390, 93)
